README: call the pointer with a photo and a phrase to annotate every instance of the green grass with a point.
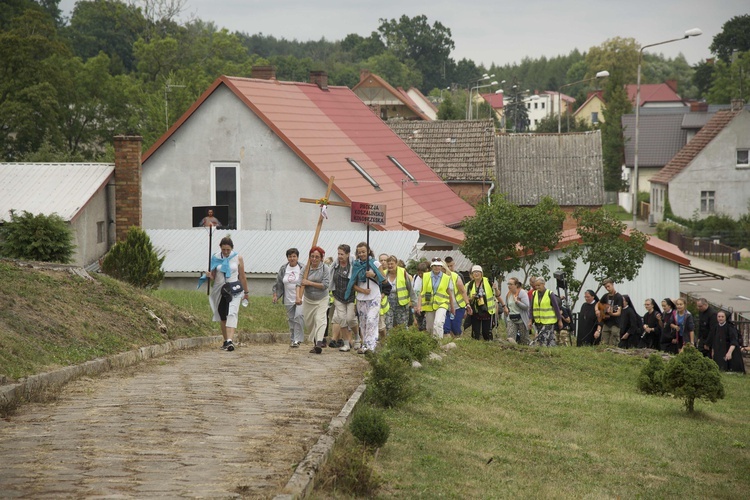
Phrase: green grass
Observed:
(491, 422)
(618, 212)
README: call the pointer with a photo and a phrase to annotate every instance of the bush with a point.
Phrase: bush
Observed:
(389, 380)
(690, 376)
(348, 470)
(369, 426)
(410, 344)
(135, 261)
(650, 381)
(46, 238)
(663, 228)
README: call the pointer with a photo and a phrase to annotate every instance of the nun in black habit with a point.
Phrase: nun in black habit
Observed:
(587, 320)
(725, 345)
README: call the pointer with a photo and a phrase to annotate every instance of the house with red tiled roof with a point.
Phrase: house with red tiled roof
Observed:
(496, 101)
(711, 173)
(259, 145)
(656, 94)
(388, 102)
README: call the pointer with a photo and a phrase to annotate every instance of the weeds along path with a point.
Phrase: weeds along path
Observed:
(205, 423)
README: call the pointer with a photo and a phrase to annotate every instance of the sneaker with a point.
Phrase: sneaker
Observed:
(224, 346)
(230, 345)
(356, 346)
(317, 349)
(340, 343)
(361, 350)
(294, 344)
(333, 343)
(345, 348)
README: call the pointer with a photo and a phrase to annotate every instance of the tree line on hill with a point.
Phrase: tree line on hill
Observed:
(67, 85)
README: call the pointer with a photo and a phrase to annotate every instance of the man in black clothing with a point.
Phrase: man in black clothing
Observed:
(610, 330)
(706, 322)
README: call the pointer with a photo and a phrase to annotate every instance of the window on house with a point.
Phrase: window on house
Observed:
(363, 173)
(225, 191)
(536, 105)
(707, 201)
(743, 158)
(100, 231)
(402, 168)
(542, 105)
(594, 117)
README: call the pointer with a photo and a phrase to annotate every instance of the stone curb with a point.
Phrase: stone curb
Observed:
(35, 386)
(301, 483)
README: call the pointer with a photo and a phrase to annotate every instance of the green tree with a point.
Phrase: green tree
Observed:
(45, 238)
(448, 110)
(702, 77)
(658, 69)
(504, 237)
(516, 114)
(360, 48)
(613, 140)
(690, 376)
(731, 80)
(135, 261)
(393, 70)
(734, 35)
(414, 39)
(615, 53)
(603, 250)
(548, 124)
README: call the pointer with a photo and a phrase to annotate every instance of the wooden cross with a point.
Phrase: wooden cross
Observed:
(320, 217)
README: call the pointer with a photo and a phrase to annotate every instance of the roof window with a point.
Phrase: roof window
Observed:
(402, 168)
(363, 173)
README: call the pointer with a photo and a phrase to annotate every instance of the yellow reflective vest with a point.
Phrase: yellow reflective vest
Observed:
(401, 291)
(459, 296)
(543, 311)
(489, 294)
(439, 299)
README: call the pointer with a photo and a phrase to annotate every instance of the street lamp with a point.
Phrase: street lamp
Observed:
(688, 34)
(471, 104)
(600, 74)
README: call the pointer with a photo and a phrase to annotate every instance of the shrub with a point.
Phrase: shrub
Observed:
(389, 380)
(348, 470)
(369, 426)
(690, 376)
(663, 228)
(650, 381)
(135, 261)
(46, 238)
(410, 344)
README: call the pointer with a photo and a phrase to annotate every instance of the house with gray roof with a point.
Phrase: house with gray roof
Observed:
(461, 152)
(566, 167)
(711, 173)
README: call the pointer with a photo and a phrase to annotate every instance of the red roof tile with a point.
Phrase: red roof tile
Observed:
(654, 245)
(693, 148)
(324, 127)
(494, 100)
(653, 92)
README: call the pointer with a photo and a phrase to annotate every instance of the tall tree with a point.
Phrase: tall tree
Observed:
(428, 46)
(613, 140)
(603, 250)
(516, 114)
(620, 53)
(504, 237)
(731, 80)
(702, 77)
(393, 70)
(448, 110)
(734, 35)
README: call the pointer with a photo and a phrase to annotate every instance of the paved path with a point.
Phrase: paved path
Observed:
(203, 423)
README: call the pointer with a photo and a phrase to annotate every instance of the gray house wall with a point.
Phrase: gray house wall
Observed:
(273, 178)
(84, 229)
(715, 169)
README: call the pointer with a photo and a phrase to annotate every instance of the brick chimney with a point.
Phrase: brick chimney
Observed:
(737, 104)
(128, 211)
(319, 78)
(698, 107)
(672, 84)
(264, 72)
(364, 74)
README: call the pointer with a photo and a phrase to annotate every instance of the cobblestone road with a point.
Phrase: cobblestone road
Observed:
(203, 423)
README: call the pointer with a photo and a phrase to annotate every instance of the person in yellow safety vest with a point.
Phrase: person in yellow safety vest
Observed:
(401, 297)
(384, 305)
(454, 323)
(482, 304)
(436, 298)
(545, 314)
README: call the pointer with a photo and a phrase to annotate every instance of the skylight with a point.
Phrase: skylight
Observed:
(363, 173)
(401, 167)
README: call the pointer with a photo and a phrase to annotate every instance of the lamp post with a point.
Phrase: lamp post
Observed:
(471, 104)
(688, 34)
(600, 74)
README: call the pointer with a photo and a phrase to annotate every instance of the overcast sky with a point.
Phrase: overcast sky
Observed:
(486, 31)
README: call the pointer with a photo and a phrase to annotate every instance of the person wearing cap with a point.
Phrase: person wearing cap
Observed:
(454, 324)
(482, 304)
(436, 298)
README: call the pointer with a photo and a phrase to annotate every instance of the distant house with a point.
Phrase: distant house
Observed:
(565, 167)
(77, 192)
(388, 102)
(656, 95)
(259, 145)
(496, 102)
(461, 152)
(591, 111)
(711, 173)
(545, 104)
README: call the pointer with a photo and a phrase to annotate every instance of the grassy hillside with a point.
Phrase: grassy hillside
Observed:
(52, 317)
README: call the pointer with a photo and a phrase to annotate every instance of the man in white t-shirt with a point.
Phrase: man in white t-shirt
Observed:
(286, 289)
